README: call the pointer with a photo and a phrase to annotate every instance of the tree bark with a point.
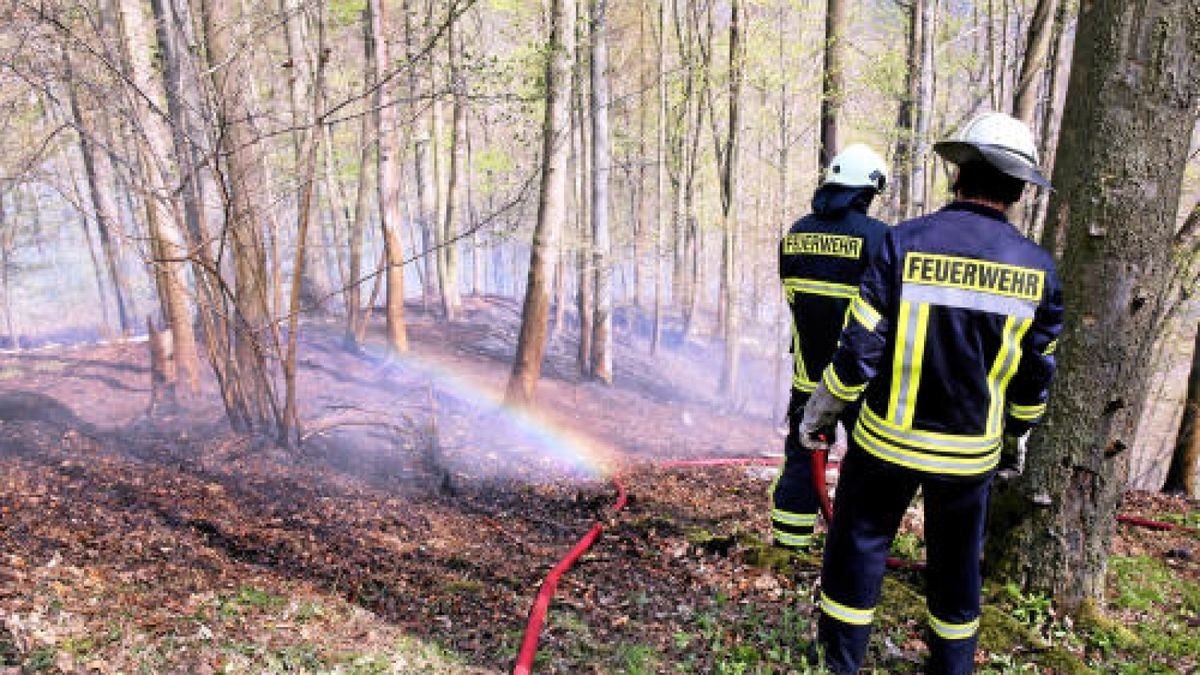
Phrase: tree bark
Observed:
(601, 362)
(833, 84)
(1185, 461)
(255, 407)
(451, 300)
(1133, 93)
(531, 342)
(1037, 50)
(391, 217)
(729, 207)
(918, 179)
(165, 213)
(660, 181)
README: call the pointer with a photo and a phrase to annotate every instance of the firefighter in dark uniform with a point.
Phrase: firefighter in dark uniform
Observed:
(951, 349)
(821, 261)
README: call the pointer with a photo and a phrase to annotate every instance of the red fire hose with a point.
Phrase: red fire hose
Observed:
(1156, 524)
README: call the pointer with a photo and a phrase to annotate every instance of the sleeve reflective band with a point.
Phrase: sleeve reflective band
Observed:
(1050, 348)
(840, 389)
(1027, 413)
(865, 313)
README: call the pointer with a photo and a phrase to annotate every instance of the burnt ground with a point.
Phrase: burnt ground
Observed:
(411, 531)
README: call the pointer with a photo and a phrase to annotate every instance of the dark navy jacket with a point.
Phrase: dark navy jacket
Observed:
(952, 339)
(821, 262)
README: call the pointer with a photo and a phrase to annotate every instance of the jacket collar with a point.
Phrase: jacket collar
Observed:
(980, 209)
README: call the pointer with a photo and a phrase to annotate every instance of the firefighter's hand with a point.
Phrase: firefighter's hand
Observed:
(1012, 457)
(815, 438)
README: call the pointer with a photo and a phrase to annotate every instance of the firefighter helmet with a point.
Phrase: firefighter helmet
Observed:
(1000, 140)
(857, 166)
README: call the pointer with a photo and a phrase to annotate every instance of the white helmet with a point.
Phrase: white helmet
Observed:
(857, 166)
(1000, 140)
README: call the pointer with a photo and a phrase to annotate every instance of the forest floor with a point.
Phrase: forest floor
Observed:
(412, 529)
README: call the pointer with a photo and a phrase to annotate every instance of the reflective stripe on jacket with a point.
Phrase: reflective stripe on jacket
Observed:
(951, 341)
(821, 262)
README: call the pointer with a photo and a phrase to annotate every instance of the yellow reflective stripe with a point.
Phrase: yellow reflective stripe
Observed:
(920, 461)
(865, 313)
(1050, 348)
(789, 539)
(840, 389)
(816, 287)
(1003, 369)
(929, 440)
(898, 359)
(915, 356)
(906, 363)
(797, 519)
(1028, 413)
(802, 385)
(836, 610)
(800, 379)
(953, 631)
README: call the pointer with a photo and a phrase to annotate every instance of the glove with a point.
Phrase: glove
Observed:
(816, 430)
(1012, 457)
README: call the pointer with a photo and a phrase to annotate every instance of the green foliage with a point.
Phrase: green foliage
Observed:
(637, 659)
(343, 13)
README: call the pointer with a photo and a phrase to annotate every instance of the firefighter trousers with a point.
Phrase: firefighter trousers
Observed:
(872, 497)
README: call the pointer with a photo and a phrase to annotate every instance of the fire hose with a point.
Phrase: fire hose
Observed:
(541, 604)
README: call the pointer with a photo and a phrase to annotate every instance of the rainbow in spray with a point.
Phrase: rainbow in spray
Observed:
(565, 452)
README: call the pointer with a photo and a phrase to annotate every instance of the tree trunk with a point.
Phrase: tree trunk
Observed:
(391, 217)
(290, 431)
(254, 402)
(1046, 231)
(918, 179)
(1185, 462)
(660, 181)
(164, 212)
(601, 362)
(451, 300)
(902, 166)
(98, 172)
(1037, 50)
(1134, 88)
(833, 84)
(729, 207)
(531, 343)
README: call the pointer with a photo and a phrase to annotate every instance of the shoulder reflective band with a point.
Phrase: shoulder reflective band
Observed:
(972, 284)
(850, 615)
(953, 631)
(813, 243)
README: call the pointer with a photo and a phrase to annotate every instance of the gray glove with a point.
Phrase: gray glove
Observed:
(816, 430)
(1012, 457)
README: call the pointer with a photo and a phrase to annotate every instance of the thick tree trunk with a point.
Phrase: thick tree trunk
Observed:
(1185, 461)
(601, 362)
(254, 402)
(391, 217)
(1133, 94)
(531, 343)
(833, 84)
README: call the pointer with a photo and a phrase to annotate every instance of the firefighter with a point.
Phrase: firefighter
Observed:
(951, 349)
(821, 261)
